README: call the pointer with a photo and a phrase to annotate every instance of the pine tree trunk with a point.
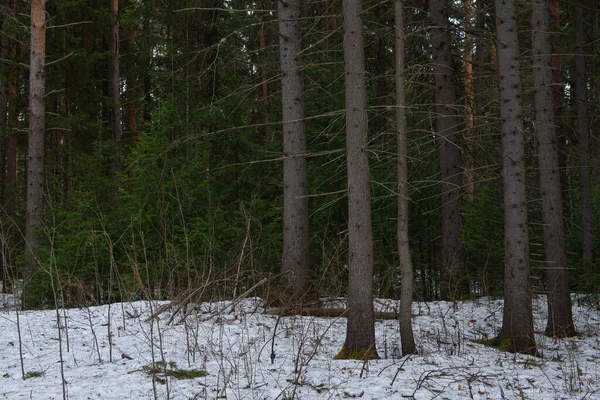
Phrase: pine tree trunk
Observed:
(517, 322)
(560, 318)
(585, 171)
(4, 51)
(381, 88)
(35, 152)
(558, 86)
(407, 282)
(470, 131)
(360, 333)
(453, 282)
(264, 82)
(295, 263)
(132, 87)
(11, 165)
(4, 72)
(114, 90)
(330, 8)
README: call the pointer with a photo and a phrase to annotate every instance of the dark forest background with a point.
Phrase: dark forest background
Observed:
(189, 201)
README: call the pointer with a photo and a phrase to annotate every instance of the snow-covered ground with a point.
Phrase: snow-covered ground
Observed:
(108, 352)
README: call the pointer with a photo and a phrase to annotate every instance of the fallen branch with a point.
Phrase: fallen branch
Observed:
(322, 312)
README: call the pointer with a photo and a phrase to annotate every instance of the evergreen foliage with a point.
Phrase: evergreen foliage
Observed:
(200, 193)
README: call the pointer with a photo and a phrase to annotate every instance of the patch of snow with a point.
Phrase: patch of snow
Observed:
(108, 350)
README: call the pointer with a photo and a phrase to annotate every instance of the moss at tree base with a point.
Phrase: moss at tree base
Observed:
(358, 354)
(506, 345)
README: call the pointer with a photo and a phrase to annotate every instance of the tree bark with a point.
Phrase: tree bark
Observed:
(295, 266)
(264, 82)
(407, 339)
(132, 87)
(35, 152)
(585, 171)
(114, 89)
(329, 12)
(517, 322)
(360, 333)
(558, 86)
(453, 282)
(381, 86)
(4, 51)
(470, 131)
(11, 164)
(560, 318)
(5, 277)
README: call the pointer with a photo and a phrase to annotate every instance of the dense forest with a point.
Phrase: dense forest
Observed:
(297, 149)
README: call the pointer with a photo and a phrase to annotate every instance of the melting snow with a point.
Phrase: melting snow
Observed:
(108, 352)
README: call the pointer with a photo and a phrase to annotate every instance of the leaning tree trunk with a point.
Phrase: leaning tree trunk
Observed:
(295, 265)
(360, 333)
(560, 318)
(407, 283)
(585, 171)
(35, 152)
(454, 283)
(517, 322)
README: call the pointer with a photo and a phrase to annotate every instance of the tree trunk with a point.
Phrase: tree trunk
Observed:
(517, 322)
(132, 86)
(114, 90)
(585, 171)
(470, 131)
(264, 82)
(295, 266)
(35, 152)
(485, 71)
(4, 73)
(453, 282)
(360, 333)
(381, 87)
(329, 12)
(406, 267)
(558, 86)
(560, 318)
(4, 51)
(11, 164)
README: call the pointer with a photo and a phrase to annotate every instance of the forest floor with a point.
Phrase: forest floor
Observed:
(235, 351)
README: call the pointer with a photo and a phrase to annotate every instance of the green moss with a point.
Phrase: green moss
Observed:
(33, 374)
(359, 354)
(486, 342)
(187, 373)
(161, 372)
(505, 345)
